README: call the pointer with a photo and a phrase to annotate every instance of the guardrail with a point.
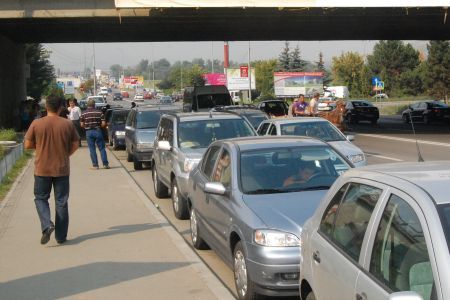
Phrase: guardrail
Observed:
(12, 154)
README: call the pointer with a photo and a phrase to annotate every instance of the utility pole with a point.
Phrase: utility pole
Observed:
(212, 57)
(95, 72)
(181, 69)
(249, 75)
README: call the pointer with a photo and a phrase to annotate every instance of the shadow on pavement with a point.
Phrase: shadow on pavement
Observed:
(75, 280)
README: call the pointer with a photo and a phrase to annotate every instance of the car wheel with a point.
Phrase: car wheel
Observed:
(196, 237)
(161, 191)
(129, 156)
(245, 287)
(405, 118)
(137, 164)
(426, 120)
(310, 296)
(179, 204)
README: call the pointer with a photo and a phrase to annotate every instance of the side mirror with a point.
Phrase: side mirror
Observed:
(350, 138)
(405, 296)
(164, 145)
(216, 188)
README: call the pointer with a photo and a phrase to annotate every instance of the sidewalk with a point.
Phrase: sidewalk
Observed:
(119, 245)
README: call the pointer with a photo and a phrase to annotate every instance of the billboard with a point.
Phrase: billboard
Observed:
(291, 84)
(235, 82)
(215, 79)
(133, 80)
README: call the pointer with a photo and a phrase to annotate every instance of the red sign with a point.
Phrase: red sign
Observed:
(215, 79)
(244, 71)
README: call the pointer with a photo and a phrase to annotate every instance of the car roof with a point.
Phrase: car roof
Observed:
(156, 108)
(264, 142)
(185, 117)
(432, 177)
(294, 120)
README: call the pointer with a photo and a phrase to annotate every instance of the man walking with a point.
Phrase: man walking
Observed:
(54, 139)
(75, 115)
(92, 120)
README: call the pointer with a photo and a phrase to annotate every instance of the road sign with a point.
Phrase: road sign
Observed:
(379, 86)
(375, 80)
(60, 85)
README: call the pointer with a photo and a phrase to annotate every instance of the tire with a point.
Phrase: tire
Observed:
(179, 204)
(137, 164)
(310, 296)
(129, 156)
(197, 240)
(114, 144)
(245, 287)
(426, 120)
(161, 191)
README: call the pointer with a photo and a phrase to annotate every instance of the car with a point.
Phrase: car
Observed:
(140, 132)
(326, 104)
(427, 112)
(103, 91)
(253, 220)
(317, 128)
(181, 140)
(381, 232)
(115, 121)
(117, 96)
(100, 101)
(381, 96)
(138, 97)
(249, 112)
(125, 94)
(204, 98)
(274, 108)
(361, 110)
(165, 100)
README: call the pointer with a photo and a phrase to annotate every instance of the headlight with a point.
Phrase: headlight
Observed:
(144, 146)
(189, 164)
(356, 158)
(274, 238)
(119, 133)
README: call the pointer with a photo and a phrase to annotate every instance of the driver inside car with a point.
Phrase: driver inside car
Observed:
(305, 172)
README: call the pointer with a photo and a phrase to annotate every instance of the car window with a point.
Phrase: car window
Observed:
(212, 100)
(119, 117)
(445, 218)
(321, 130)
(273, 130)
(423, 105)
(400, 257)
(353, 217)
(328, 218)
(255, 119)
(222, 173)
(437, 104)
(165, 132)
(263, 129)
(210, 161)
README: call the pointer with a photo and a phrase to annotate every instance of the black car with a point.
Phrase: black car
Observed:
(427, 112)
(117, 96)
(361, 110)
(115, 120)
(276, 108)
(249, 112)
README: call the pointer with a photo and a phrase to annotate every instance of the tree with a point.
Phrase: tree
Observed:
(42, 73)
(264, 70)
(87, 86)
(195, 76)
(142, 68)
(437, 74)
(348, 69)
(116, 70)
(285, 58)
(320, 67)
(296, 62)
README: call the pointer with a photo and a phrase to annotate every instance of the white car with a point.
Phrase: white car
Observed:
(316, 128)
(381, 232)
(138, 97)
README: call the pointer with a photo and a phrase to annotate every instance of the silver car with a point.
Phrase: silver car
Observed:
(381, 232)
(249, 198)
(316, 128)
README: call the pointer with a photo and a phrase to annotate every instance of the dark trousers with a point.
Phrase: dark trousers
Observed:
(77, 125)
(42, 188)
(95, 137)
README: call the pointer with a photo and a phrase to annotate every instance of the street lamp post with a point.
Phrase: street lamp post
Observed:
(95, 73)
(249, 75)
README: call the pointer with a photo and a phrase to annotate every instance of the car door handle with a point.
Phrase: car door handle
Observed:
(362, 296)
(316, 256)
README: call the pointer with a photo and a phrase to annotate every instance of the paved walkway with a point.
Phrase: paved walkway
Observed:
(119, 245)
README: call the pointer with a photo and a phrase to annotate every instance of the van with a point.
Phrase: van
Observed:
(203, 98)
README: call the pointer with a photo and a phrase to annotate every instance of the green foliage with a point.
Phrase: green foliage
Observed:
(296, 63)
(116, 70)
(8, 135)
(437, 71)
(320, 67)
(285, 58)
(348, 69)
(411, 81)
(9, 179)
(54, 89)
(264, 70)
(88, 86)
(41, 71)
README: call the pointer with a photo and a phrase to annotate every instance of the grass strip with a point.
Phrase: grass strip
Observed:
(9, 179)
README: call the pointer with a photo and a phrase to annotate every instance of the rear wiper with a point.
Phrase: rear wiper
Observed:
(267, 191)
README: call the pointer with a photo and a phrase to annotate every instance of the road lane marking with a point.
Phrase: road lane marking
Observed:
(383, 157)
(405, 140)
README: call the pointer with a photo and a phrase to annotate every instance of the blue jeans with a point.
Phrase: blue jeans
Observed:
(42, 188)
(95, 137)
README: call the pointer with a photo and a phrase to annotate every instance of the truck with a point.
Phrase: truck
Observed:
(336, 92)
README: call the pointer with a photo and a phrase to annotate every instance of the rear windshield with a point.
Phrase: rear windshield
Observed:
(149, 119)
(255, 119)
(321, 130)
(210, 101)
(119, 117)
(276, 108)
(445, 218)
(199, 134)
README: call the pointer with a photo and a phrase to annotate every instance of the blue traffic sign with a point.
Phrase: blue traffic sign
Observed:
(375, 80)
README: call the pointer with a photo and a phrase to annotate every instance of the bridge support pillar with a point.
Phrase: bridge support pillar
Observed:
(12, 82)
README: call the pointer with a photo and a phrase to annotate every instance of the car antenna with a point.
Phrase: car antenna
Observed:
(420, 158)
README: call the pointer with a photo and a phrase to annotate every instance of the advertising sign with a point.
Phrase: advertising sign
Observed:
(133, 80)
(235, 82)
(69, 88)
(244, 71)
(215, 79)
(291, 84)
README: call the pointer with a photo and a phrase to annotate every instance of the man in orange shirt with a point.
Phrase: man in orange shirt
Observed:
(54, 139)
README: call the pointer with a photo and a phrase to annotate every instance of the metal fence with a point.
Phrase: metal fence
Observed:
(12, 154)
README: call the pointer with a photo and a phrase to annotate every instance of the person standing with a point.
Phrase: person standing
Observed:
(300, 108)
(314, 105)
(292, 107)
(92, 120)
(75, 115)
(55, 140)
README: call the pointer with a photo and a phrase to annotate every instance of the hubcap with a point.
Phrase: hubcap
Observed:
(175, 197)
(193, 226)
(240, 273)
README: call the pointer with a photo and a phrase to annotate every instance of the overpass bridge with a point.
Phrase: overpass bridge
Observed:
(60, 21)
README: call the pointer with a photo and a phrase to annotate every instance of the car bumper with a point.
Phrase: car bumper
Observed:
(120, 140)
(275, 270)
(144, 156)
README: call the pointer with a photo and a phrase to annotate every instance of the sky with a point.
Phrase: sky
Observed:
(73, 57)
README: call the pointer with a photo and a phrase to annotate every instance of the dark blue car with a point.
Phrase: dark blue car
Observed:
(116, 119)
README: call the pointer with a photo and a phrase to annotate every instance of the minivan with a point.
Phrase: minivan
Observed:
(203, 98)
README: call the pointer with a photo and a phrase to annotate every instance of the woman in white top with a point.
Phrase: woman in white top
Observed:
(74, 115)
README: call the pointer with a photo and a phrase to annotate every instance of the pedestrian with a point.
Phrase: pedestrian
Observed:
(92, 120)
(300, 108)
(292, 107)
(75, 115)
(133, 104)
(54, 139)
(64, 112)
(314, 105)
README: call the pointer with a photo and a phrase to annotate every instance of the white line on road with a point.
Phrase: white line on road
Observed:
(405, 140)
(383, 157)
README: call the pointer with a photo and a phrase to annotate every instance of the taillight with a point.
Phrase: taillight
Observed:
(436, 110)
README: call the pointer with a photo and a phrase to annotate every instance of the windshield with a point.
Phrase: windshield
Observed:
(148, 119)
(255, 119)
(210, 101)
(291, 169)
(321, 130)
(199, 134)
(119, 117)
(445, 218)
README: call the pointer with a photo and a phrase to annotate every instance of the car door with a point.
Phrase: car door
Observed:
(399, 256)
(162, 156)
(167, 156)
(336, 246)
(129, 131)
